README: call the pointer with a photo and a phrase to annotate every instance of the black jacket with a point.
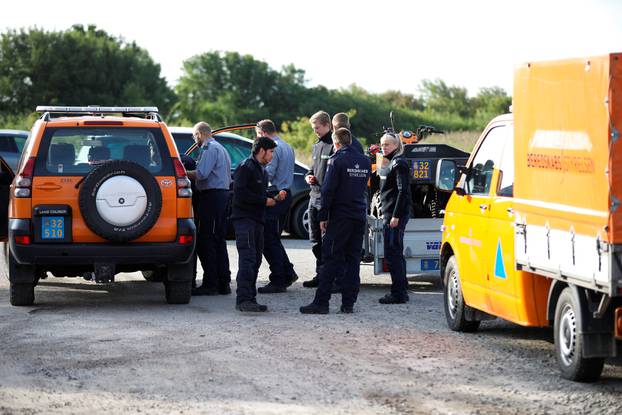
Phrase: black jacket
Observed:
(322, 150)
(395, 189)
(356, 144)
(250, 183)
(344, 194)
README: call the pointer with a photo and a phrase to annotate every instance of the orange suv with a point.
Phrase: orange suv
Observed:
(98, 190)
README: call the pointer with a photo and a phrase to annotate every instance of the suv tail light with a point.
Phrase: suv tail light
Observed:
(23, 182)
(183, 183)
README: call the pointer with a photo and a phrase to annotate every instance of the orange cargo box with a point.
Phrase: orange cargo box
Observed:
(568, 166)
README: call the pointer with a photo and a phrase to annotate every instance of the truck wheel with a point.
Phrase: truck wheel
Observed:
(178, 292)
(22, 293)
(454, 301)
(569, 341)
(300, 219)
(374, 207)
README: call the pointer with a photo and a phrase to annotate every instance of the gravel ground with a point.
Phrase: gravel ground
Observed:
(88, 348)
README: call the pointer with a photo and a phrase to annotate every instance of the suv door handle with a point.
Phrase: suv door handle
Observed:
(483, 206)
(48, 186)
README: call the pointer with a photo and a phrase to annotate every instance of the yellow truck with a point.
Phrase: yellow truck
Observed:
(533, 229)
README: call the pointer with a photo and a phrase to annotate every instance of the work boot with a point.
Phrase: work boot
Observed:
(347, 309)
(203, 290)
(393, 299)
(292, 279)
(312, 283)
(314, 309)
(251, 307)
(271, 288)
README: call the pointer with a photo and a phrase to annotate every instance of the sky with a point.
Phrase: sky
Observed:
(378, 45)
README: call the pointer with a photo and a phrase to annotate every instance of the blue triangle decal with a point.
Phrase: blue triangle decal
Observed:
(499, 267)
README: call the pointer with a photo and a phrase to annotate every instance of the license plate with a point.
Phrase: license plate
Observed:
(52, 227)
(430, 265)
(421, 169)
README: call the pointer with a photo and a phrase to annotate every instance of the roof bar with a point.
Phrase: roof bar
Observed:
(95, 110)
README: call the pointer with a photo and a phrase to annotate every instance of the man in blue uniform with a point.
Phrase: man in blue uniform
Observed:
(281, 176)
(342, 219)
(250, 199)
(341, 120)
(212, 179)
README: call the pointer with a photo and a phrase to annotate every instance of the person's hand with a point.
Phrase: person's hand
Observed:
(394, 222)
(311, 179)
(282, 195)
(270, 202)
(323, 226)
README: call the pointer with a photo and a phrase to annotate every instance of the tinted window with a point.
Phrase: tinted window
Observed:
(78, 150)
(12, 143)
(238, 150)
(486, 159)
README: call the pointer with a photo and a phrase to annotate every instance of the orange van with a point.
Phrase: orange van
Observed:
(533, 231)
(98, 190)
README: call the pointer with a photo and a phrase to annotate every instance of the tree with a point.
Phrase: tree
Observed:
(441, 98)
(77, 67)
(491, 101)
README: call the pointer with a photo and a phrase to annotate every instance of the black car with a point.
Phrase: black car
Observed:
(239, 148)
(11, 145)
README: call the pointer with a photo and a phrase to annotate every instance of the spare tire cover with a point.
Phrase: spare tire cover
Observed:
(120, 200)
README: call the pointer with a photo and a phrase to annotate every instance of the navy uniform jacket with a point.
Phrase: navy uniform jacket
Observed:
(395, 189)
(344, 193)
(356, 144)
(250, 183)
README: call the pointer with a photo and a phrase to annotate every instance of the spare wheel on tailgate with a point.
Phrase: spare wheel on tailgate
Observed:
(120, 200)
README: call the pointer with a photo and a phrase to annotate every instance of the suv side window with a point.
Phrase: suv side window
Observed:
(486, 159)
(506, 185)
(238, 150)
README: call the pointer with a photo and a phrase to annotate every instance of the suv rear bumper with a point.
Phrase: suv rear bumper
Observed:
(71, 254)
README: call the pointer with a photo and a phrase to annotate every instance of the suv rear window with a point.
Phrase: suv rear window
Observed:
(76, 151)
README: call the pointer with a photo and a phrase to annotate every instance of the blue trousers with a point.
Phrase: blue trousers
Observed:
(249, 242)
(281, 269)
(341, 255)
(211, 240)
(394, 256)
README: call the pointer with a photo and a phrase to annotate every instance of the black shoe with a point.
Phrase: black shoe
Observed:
(392, 299)
(251, 307)
(314, 309)
(202, 290)
(292, 278)
(271, 288)
(312, 283)
(347, 309)
(224, 290)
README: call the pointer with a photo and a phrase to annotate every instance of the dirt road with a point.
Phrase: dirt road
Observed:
(87, 348)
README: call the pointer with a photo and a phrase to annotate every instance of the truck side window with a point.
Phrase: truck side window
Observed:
(506, 185)
(487, 157)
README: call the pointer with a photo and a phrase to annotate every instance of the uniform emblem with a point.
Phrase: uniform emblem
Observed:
(356, 166)
(166, 182)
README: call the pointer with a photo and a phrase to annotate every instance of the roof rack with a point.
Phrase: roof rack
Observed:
(146, 112)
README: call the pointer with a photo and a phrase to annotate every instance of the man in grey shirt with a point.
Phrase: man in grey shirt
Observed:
(212, 180)
(280, 173)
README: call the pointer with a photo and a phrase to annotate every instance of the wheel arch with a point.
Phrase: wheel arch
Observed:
(446, 253)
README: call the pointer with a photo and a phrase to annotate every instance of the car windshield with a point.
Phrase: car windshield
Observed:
(79, 150)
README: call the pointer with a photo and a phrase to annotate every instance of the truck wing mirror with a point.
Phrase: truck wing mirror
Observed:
(447, 175)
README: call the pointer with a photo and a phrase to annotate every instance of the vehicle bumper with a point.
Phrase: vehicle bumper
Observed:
(78, 254)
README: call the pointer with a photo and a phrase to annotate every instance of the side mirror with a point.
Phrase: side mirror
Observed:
(447, 175)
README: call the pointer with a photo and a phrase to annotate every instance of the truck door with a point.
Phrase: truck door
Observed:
(499, 242)
(474, 208)
(6, 178)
